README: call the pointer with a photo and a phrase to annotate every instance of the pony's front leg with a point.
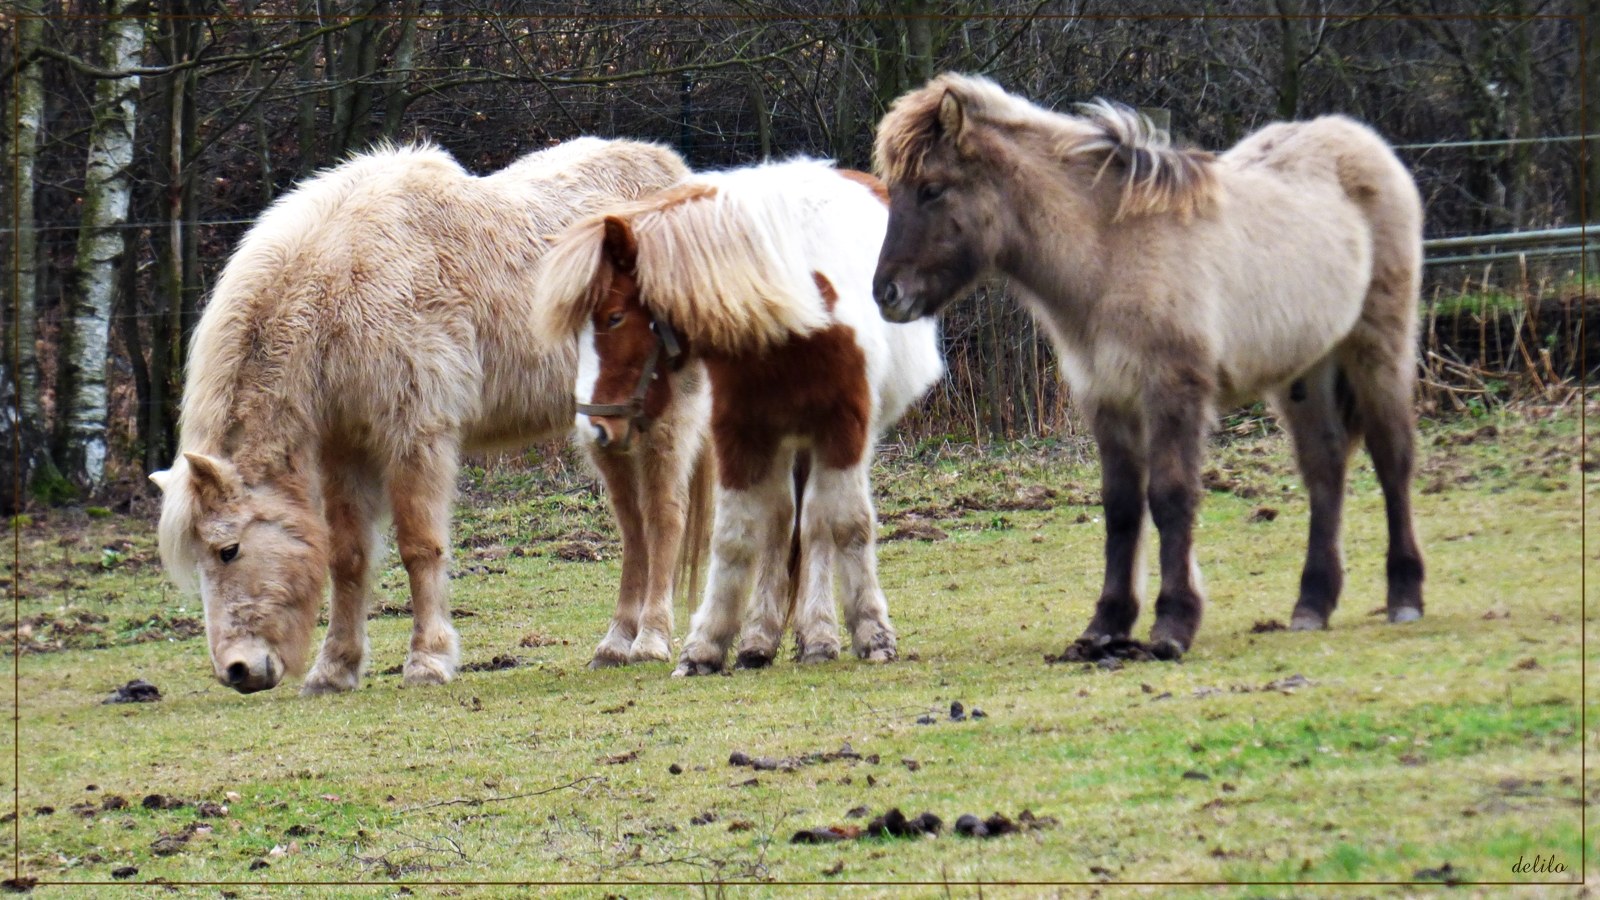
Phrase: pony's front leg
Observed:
(855, 526)
(620, 474)
(736, 540)
(1119, 437)
(419, 492)
(351, 499)
(1176, 424)
(666, 464)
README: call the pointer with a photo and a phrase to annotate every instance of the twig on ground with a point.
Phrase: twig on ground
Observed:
(479, 801)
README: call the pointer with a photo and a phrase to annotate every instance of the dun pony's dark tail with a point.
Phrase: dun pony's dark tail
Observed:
(802, 473)
(696, 526)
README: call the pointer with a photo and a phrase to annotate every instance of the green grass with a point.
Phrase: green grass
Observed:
(1411, 747)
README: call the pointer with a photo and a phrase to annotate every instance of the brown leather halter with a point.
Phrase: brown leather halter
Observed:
(666, 339)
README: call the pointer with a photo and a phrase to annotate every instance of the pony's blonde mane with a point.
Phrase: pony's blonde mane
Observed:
(1156, 176)
(720, 258)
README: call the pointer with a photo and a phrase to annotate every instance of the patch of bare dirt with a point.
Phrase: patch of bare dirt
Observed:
(916, 530)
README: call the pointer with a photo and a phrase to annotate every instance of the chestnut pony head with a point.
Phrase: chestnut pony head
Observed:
(631, 348)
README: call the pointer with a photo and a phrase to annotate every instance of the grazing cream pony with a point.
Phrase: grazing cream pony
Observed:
(764, 276)
(373, 325)
(1174, 283)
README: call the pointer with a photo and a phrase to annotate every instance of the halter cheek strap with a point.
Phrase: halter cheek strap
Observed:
(666, 339)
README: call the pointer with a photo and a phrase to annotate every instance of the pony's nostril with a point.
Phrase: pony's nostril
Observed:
(891, 293)
(601, 435)
(237, 673)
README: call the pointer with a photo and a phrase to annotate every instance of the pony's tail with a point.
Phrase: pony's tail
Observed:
(802, 474)
(697, 525)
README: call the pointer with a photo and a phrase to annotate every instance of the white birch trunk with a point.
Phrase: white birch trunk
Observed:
(30, 114)
(100, 247)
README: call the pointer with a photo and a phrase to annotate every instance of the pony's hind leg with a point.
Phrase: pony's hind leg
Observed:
(420, 491)
(1176, 423)
(1317, 409)
(833, 517)
(619, 472)
(1383, 393)
(739, 533)
(352, 500)
(776, 577)
(1119, 436)
(866, 611)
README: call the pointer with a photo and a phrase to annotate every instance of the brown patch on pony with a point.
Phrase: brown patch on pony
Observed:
(830, 297)
(812, 387)
(878, 188)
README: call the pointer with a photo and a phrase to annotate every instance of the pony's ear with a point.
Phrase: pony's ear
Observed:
(215, 480)
(161, 479)
(620, 244)
(951, 116)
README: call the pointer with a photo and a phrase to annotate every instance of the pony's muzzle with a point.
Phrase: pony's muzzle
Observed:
(611, 433)
(893, 302)
(250, 675)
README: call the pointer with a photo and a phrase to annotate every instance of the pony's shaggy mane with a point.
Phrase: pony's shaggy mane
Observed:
(721, 258)
(1156, 176)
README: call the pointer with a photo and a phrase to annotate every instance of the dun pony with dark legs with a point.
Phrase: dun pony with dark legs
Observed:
(1175, 283)
(762, 279)
(371, 327)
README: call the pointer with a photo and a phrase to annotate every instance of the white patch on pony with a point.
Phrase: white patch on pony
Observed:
(588, 374)
(1141, 559)
(1195, 580)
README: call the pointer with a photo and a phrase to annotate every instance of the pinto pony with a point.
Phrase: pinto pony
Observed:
(374, 324)
(1173, 283)
(764, 276)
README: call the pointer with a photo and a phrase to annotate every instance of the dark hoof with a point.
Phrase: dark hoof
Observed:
(1402, 614)
(753, 659)
(1096, 638)
(689, 669)
(1307, 621)
(1167, 650)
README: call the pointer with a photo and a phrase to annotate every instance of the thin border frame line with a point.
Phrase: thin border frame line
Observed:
(1583, 816)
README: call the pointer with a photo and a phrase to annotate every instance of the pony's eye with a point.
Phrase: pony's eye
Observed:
(929, 193)
(615, 320)
(226, 554)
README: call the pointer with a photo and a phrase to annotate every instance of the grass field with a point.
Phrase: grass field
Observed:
(1444, 749)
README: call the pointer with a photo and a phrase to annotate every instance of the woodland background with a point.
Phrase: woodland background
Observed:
(143, 136)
